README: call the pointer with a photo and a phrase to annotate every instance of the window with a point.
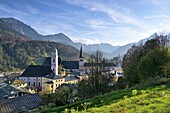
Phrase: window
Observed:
(53, 60)
(39, 84)
(29, 83)
(34, 83)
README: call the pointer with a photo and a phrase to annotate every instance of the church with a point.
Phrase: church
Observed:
(46, 76)
(76, 67)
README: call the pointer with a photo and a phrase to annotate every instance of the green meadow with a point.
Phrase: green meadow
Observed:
(138, 99)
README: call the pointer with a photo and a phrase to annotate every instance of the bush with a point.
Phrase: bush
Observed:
(134, 92)
(154, 64)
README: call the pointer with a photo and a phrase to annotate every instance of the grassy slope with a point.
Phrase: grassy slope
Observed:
(148, 99)
(155, 100)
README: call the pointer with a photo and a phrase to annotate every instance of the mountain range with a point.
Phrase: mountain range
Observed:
(17, 50)
(108, 50)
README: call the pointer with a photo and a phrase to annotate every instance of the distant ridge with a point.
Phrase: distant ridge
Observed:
(108, 50)
(17, 51)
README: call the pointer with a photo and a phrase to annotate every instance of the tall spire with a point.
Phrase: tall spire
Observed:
(81, 53)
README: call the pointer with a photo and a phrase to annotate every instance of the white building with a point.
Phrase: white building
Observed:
(36, 75)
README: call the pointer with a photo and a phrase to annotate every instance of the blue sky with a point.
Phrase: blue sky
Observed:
(117, 22)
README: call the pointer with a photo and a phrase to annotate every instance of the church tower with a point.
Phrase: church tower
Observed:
(81, 60)
(54, 61)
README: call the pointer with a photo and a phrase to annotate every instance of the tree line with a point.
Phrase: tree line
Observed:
(147, 61)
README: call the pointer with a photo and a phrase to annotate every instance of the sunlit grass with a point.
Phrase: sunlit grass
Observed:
(139, 99)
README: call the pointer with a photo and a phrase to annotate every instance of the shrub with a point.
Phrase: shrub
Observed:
(86, 105)
(134, 92)
(154, 64)
(143, 91)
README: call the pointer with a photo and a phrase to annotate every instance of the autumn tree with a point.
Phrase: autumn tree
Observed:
(133, 57)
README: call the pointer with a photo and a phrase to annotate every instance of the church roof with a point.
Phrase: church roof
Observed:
(37, 71)
(70, 64)
(47, 61)
(81, 53)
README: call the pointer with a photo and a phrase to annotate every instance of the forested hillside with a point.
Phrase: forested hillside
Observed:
(17, 51)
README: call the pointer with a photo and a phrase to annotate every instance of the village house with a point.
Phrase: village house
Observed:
(8, 91)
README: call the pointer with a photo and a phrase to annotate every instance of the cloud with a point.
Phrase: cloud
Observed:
(159, 16)
(45, 3)
(32, 9)
(86, 40)
(97, 21)
(117, 16)
(7, 9)
(52, 27)
(159, 2)
(96, 24)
